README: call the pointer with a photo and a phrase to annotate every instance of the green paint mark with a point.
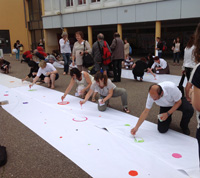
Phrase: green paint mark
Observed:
(138, 140)
(89, 144)
(127, 125)
(32, 90)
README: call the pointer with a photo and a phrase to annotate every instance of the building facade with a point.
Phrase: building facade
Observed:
(138, 20)
(20, 20)
(13, 25)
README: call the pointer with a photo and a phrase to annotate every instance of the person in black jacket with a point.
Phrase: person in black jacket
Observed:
(139, 67)
(33, 71)
(159, 47)
(4, 65)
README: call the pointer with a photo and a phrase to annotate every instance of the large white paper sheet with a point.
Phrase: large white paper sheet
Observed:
(11, 82)
(101, 153)
(159, 78)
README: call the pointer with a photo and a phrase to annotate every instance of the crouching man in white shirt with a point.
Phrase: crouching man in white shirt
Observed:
(50, 73)
(169, 98)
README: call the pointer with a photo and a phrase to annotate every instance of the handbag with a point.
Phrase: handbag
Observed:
(87, 59)
(180, 86)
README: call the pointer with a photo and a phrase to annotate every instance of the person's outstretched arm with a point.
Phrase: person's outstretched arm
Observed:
(143, 116)
(71, 84)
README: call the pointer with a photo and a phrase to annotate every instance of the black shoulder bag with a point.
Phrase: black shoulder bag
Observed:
(87, 59)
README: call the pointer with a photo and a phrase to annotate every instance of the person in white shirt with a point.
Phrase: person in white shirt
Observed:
(169, 98)
(189, 59)
(159, 66)
(65, 50)
(50, 73)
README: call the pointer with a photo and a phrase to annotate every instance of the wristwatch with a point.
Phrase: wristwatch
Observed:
(168, 114)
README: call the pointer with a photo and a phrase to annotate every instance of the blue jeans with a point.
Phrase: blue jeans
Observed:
(159, 54)
(176, 57)
(17, 54)
(66, 57)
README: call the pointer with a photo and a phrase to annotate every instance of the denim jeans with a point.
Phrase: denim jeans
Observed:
(159, 54)
(66, 57)
(17, 54)
(176, 57)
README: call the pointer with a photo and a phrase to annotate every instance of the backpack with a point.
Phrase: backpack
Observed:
(3, 156)
(164, 46)
(106, 54)
(130, 49)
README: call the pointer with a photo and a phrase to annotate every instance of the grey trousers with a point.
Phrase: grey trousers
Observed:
(116, 92)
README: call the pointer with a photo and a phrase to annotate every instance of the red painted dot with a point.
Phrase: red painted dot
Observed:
(133, 173)
(176, 155)
(45, 123)
(61, 137)
(99, 116)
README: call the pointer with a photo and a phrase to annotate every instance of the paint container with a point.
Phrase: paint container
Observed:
(100, 102)
(76, 94)
(4, 102)
(159, 117)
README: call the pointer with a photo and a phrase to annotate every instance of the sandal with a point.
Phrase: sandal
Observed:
(125, 109)
(93, 100)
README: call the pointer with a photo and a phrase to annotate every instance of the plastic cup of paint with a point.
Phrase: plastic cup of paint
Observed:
(76, 94)
(159, 117)
(100, 102)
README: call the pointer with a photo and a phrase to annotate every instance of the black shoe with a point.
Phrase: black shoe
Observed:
(114, 81)
(22, 60)
(186, 131)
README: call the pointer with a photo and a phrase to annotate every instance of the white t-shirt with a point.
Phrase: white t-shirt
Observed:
(171, 94)
(163, 64)
(189, 59)
(64, 47)
(48, 68)
(103, 91)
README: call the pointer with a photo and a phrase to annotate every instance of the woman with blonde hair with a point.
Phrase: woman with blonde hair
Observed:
(80, 48)
(50, 73)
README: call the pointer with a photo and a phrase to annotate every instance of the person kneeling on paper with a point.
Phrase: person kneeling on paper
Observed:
(106, 89)
(159, 66)
(83, 80)
(50, 73)
(169, 98)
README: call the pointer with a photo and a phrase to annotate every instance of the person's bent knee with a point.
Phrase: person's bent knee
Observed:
(162, 130)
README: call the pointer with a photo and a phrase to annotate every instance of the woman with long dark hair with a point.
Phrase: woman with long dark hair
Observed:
(106, 90)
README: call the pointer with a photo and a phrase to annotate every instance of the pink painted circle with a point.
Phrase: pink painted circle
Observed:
(80, 120)
(176, 155)
(63, 102)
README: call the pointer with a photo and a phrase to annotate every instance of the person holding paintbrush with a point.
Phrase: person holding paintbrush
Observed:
(50, 73)
(107, 90)
(168, 96)
(83, 80)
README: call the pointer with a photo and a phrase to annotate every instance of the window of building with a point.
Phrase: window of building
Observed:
(95, 1)
(80, 2)
(69, 3)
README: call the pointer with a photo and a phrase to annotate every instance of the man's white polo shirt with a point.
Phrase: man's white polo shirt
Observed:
(171, 94)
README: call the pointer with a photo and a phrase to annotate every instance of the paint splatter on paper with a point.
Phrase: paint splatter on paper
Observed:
(32, 90)
(25, 102)
(63, 103)
(133, 173)
(6, 95)
(127, 125)
(80, 119)
(177, 155)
